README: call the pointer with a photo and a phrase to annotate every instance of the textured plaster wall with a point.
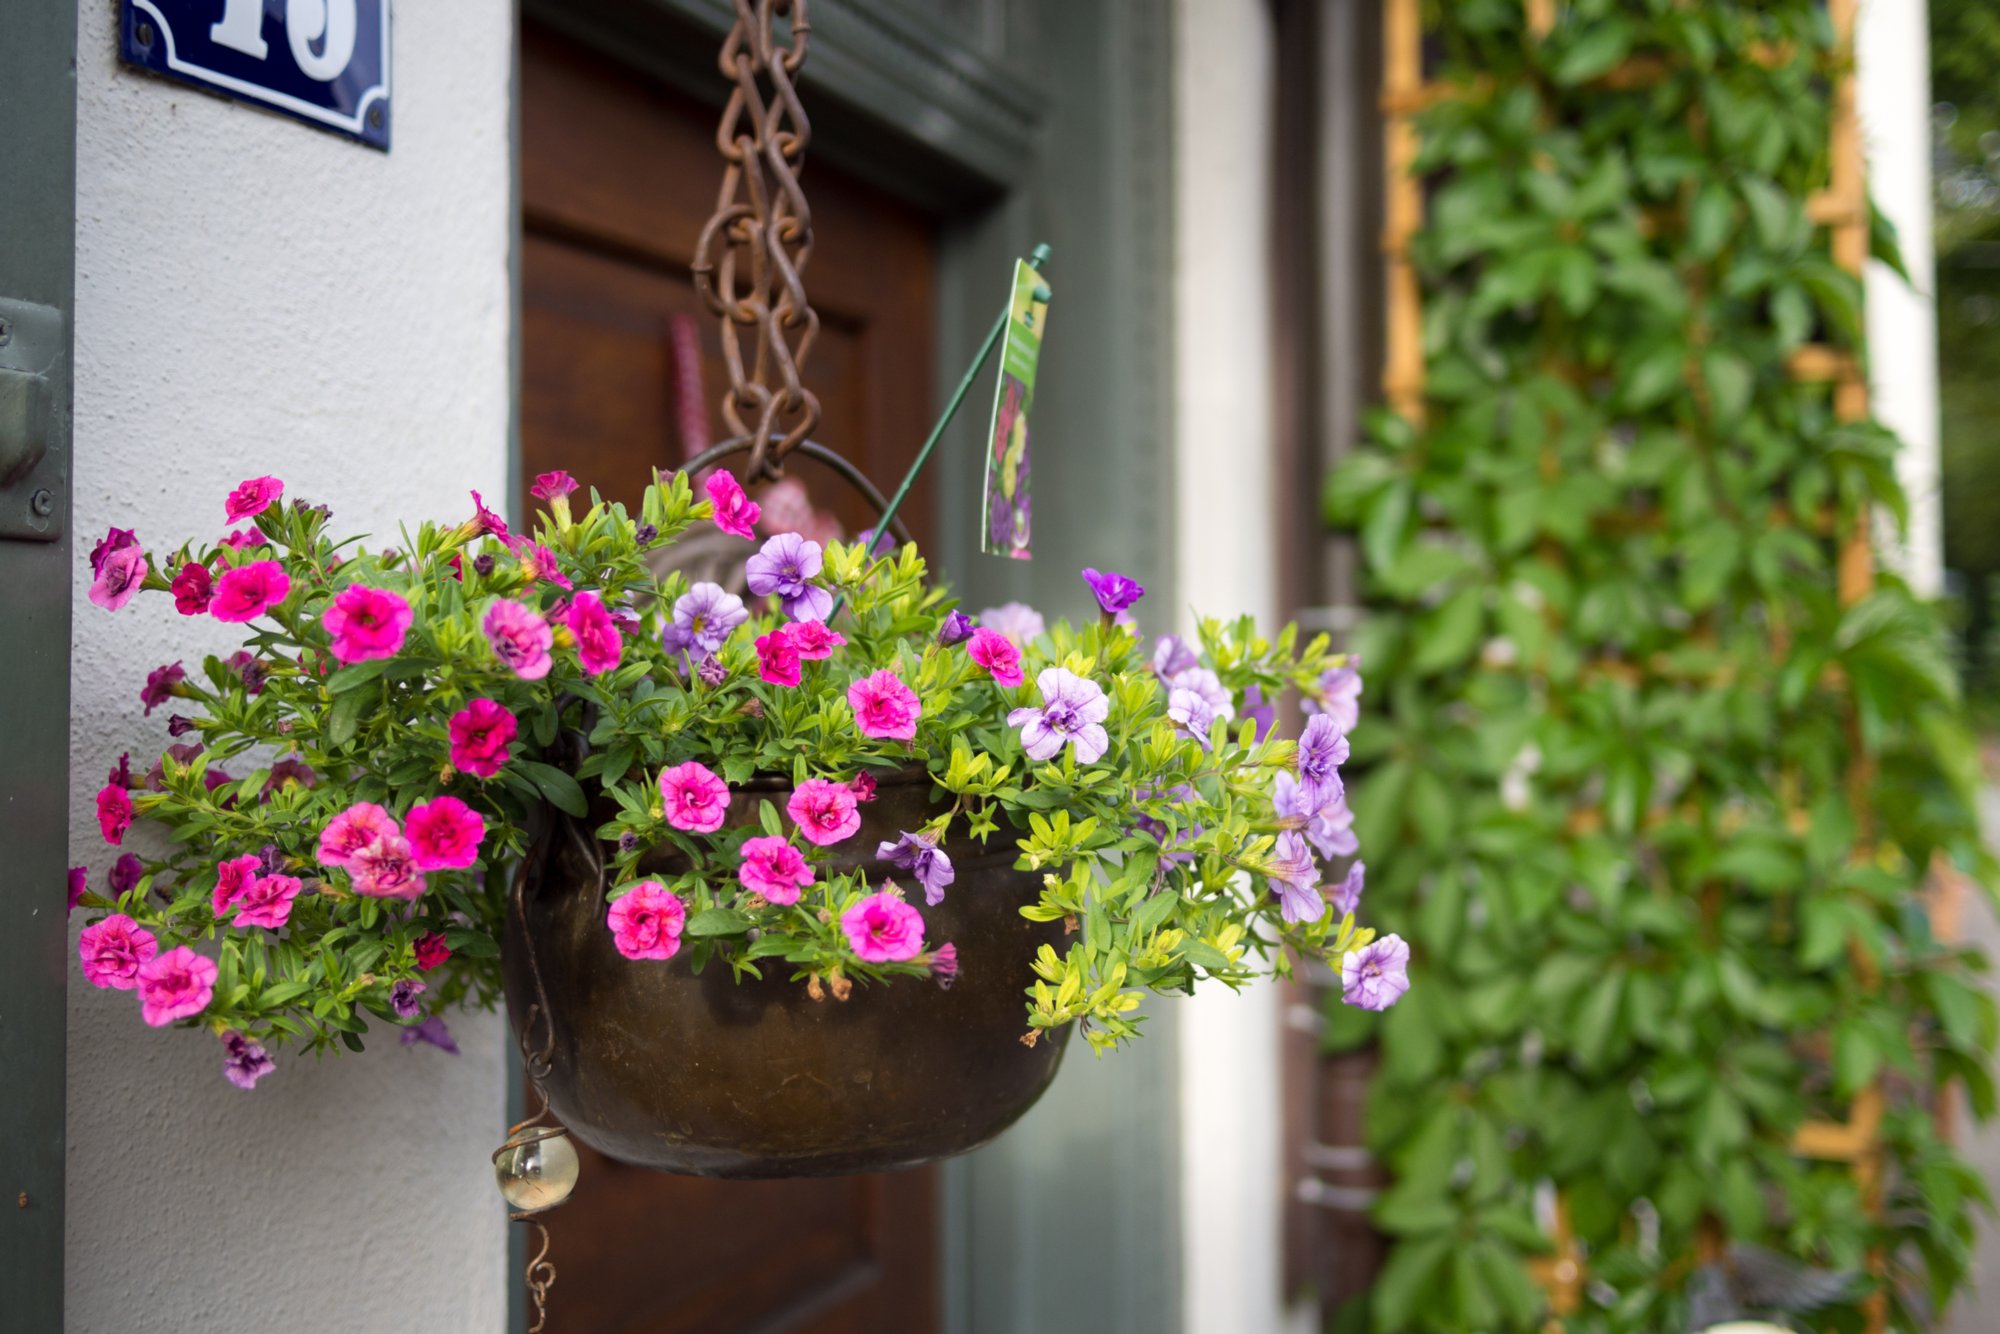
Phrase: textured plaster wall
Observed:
(257, 296)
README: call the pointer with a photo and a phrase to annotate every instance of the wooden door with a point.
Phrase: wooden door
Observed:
(620, 373)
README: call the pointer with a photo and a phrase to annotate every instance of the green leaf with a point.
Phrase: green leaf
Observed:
(718, 922)
(1730, 381)
(344, 720)
(1597, 50)
(560, 790)
(360, 674)
(1449, 635)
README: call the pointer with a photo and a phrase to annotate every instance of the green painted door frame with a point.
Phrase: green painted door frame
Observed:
(37, 265)
(1012, 122)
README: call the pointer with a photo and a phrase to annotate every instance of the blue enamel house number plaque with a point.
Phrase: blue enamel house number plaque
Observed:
(325, 62)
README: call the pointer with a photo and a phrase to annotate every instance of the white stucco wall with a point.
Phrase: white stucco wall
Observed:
(1231, 1152)
(257, 296)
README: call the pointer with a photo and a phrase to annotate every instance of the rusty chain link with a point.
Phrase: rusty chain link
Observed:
(761, 219)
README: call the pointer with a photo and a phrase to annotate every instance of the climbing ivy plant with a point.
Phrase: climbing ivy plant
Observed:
(1656, 809)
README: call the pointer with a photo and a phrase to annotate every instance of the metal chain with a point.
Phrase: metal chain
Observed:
(762, 223)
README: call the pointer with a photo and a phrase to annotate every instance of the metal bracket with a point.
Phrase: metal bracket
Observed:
(34, 429)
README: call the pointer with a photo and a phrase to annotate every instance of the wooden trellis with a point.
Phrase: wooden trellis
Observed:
(1842, 208)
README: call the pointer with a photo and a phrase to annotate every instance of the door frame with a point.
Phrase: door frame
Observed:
(1032, 120)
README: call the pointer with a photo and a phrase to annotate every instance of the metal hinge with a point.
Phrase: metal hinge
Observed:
(34, 428)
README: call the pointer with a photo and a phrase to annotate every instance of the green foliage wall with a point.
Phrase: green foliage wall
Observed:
(1616, 706)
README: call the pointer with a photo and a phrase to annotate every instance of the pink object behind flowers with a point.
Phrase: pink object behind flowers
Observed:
(247, 592)
(444, 834)
(113, 951)
(481, 733)
(367, 623)
(646, 923)
(884, 929)
(694, 798)
(599, 646)
(774, 868)
(386, 869)
(735, 512)
(520, 638)
(997, 654)
(252, 497)
(825, 812)
(884, 707)
(268, 902)
(175, 985)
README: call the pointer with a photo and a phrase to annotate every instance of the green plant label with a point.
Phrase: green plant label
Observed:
(1004, 530)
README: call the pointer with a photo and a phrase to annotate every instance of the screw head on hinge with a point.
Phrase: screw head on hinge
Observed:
(6, 331)
(43, 503)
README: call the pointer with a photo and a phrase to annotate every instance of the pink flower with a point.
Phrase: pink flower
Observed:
(885, 707)
(160, 683)
(268, 902)
(695, 799)
(778, 658)
(352, 830)
(252, 497)
(862, 785)
(646, 923)
(944, 965)
(118, 578)
(540, 563)
(240, 538)
(824, 812)
(79, 882)
(884, 929)
(193, 588)
(774, 868)
(480, 735)
(247, 592)
(485, 521)
(997, 654)
(552, 485)
(116, 539)
(598, 643)
(114, 813)
(444, 834)
(367, 623)
(813, 640)
(431, 951)
(175, 985)
(520, 638)
(385, 869)
(233, 880)
(735, 512)
(113, 951)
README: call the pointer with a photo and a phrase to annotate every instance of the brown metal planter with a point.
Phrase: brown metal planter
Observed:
(705, 1076)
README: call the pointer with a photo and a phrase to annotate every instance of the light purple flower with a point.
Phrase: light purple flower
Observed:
(1330, 825)
(1114, 592)
(1259, 710)
(786, 566)
(1016, 620)
(433, 1031)
(1073, 710)
(403, 998)
(1294, 877)
(704, 617)
(244, 1062)
(1322, 750)
(1173, 655)
(1339, 694)
(1209, 686)
(712, 672)
(923, 858)
(1347, 897)
(956, 629)
(1190, 715)
(1375, 977)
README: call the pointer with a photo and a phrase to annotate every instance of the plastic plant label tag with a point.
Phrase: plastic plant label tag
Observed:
(1004, 529)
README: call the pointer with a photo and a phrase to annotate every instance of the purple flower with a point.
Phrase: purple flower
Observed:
(1339, 694)
(785, 566)
(944, 965)
(249, 669)
(1259, 711)
(1190, 715)
(645, 534)
(1173, 655)
(1330, 825)
(712, 672)
(1322, 750)
(433, 1031)
(290, 769)
(124, 874)
(1114, 592)
(482, 565)
(160, 683)
(114, 541)
(1376, 976)
(956, 629)
(1294, 877)
(1209, 686)
(1073, 710)
(79, 882)
(403, 998)
(704, 617)
(1156, 829)
(244, 1062)
(179, 724)
(1347, 897)
(1016, 620)
(923, 858)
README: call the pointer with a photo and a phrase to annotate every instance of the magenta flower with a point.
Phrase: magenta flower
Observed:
(244, 1062)
(735, 512)
(115, 539)
(1347, 896)
(114, 814)
(825, 812)
(944, 965)
(552, 485)
(954, 630)
(704, 618)
(125, 875)
(247, 592)
(233, 879)
(118, 578)
(884, 707)
(646, 923)
(1016, 620)
(114, 950)
(480, 735)
(694, 797)
(1072, 712)
(242, 538)
(160, 683)
(193, 588)
(1190, 715)
(883, 929)
(786, 566)
(813, 640)
(520, 638)
(778, 658)
(539, 563)
(1114, 592)
(268, 901)
(1294, 877)
(599, 646)
(1339, 694)
(444, 834)
(386, 869)
(775, 869)
(920, 855)
(431, 951)
(862, 785)
(367, 623)
(1322, 750)
(252, 497)
(998, 655)
(79, 883)
(1375, 976)
(175, 985)
(352, 830)
(486, 523)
